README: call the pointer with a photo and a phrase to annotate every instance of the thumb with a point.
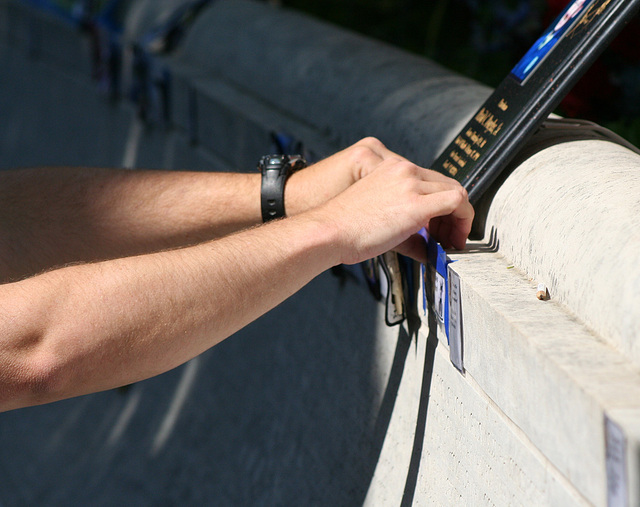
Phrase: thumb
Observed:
(413, 247)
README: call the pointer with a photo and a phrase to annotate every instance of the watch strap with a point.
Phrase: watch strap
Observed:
(275, 171)
(272, 194)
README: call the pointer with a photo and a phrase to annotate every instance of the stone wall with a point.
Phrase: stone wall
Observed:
(318, 402)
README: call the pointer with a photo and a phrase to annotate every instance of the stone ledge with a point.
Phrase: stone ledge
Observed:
(447, 438)
(546, 371)
(569, 217)
(232, 116)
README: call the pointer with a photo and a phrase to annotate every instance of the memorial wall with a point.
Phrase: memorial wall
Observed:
(320, 402)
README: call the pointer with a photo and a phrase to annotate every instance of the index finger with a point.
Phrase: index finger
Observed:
(379, 149)
(452, 225)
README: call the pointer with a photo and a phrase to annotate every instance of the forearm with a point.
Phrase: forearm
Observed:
(51, 217)
(93, 326)
(116, 322)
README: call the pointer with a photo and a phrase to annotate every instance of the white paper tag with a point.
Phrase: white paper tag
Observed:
(440, 297)
(616, 463)
(455, 320)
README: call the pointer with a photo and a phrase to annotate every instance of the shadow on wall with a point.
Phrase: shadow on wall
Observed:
(279, 414)
(286, 412)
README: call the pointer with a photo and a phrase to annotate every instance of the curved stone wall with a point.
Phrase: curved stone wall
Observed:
(569, 217)
(343, 85)
(319, 402)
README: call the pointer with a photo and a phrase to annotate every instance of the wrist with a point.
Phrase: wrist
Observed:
(328, 234)
(316, 185)
(276, 170)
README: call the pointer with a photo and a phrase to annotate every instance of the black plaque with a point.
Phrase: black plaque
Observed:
(531, 91)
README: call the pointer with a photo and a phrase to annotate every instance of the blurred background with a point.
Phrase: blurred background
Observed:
(484, 39)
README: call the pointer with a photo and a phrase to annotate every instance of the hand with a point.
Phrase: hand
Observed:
(322, 181)
(385, 209)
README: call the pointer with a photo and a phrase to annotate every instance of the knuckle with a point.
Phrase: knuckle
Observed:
(363, 154)
(371, 142)
(361, 151)
(456, 195)
(405, 168)
(461, 192)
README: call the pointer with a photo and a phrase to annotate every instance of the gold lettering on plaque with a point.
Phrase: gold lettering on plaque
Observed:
(475, 138)
(489, 122)
(503, 105)
(457, 158)
(588, 16)
(467, 148)
(453, 170)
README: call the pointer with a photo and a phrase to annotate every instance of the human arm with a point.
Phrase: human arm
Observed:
(55, 216)
(90, 327)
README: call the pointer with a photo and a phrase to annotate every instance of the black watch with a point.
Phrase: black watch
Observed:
(275, 170)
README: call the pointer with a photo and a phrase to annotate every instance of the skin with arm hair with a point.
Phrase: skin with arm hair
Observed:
(84, 214)
(155, 303)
